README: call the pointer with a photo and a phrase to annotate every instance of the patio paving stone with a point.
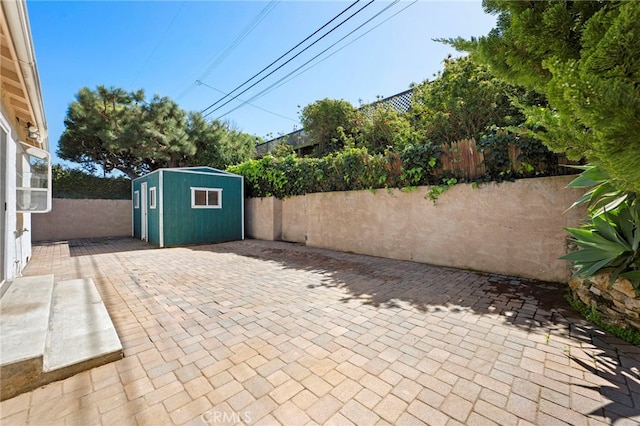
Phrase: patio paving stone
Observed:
(257, 332)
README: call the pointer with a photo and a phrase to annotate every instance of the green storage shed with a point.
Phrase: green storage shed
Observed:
(189, 205)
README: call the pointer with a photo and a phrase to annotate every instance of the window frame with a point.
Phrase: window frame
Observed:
(136, 199)
(152, 198)
(25, 176)
(207, 190)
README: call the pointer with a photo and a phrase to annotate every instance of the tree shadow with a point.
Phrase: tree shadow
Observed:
(390, 283)
(538, 308)
(614, 367)
(531, 306)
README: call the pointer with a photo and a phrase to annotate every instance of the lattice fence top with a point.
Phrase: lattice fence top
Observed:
(400, 102)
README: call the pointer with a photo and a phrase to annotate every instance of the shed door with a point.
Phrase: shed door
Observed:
(144, 219)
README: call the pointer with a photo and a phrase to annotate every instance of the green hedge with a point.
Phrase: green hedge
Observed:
(357, 169)
(70, 183)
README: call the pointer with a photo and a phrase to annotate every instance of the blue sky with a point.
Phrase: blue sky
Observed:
(164, 47)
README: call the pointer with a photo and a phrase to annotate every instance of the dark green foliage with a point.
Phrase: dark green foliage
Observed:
(119, 130)
(345, 170)
(70, 183)
(534, 159)
(380, 126)
(585, 57)
(322, 119)
(217, 143)
(282, 149)
(464, 100)
(418, 164)
(352, 169)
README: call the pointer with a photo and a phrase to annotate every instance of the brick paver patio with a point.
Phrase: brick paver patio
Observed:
(261, 332)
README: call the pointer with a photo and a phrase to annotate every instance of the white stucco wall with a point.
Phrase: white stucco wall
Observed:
(17, 240)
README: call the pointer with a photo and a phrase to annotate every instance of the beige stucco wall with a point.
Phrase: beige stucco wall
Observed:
(71, 219)
(294, 219)
(263, 218)
(513, 228)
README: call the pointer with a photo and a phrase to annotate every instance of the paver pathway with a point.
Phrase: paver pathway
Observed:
(256, 332)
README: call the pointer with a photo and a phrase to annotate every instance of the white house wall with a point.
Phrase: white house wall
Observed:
(20, 104)
(17, 240)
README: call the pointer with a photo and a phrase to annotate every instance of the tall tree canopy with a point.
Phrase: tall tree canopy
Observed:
(119, 130)
(464, 100)
(585, 57)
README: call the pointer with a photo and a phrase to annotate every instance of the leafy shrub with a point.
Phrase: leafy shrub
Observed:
(322, 119)
(346, 170)
(355, 169)
(464, 100)
(532, 159)
(380, 127)
(418, 163)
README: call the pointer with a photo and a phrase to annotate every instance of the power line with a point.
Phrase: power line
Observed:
(239, 38)
(247, 30)
(200, 83)
(158, 44)
(289, 51)
(263, 92)
(271, 88)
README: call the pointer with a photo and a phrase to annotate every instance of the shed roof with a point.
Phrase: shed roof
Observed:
(198, 170)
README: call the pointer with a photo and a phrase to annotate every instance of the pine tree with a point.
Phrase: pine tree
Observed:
(585, 57)
(119, 130)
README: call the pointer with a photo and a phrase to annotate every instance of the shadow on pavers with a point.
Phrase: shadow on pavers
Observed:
(533, 306)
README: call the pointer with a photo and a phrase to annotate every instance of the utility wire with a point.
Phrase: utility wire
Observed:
(263, 92)
(289, 51)
(271, 89)
(248, 29)
(158, 44)
(200, 83)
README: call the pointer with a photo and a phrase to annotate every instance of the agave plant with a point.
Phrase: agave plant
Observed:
(610, 242)
(602, 195)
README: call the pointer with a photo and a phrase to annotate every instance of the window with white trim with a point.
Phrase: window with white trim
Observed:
(136, 199)
(206, 198)
(152, 197)
(33, 180)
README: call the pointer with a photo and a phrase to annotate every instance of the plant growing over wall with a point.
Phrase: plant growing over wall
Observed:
(532, 159)
(349, 169)
(418, 164)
